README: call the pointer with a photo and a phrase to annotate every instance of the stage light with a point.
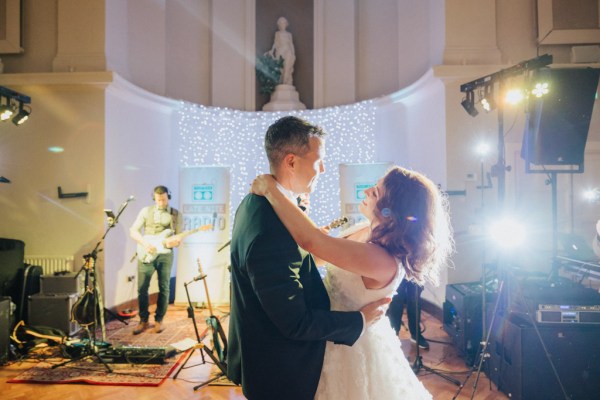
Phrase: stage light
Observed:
(22, 115)
(8, 109)
(482, 149)
(514, 96)
(487, 101)
(592, 195)
(540, 89)
(507, 233)
(468, 104)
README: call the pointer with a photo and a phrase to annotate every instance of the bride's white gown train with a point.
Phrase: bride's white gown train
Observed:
(375, 366)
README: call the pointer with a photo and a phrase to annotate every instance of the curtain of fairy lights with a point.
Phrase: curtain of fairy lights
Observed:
(226, 137)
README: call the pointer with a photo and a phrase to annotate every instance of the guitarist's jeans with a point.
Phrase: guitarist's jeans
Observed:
(162, 265)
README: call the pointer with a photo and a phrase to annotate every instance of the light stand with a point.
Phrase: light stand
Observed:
(499, 171)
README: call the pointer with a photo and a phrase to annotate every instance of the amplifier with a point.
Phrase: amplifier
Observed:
(53, 311)
(64, 283)
(462, 316)
(137, 354)
(568, 314)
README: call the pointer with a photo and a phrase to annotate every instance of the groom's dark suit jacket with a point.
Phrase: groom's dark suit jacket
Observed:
(280, 318)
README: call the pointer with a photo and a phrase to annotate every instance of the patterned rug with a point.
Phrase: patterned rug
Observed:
(91, 370)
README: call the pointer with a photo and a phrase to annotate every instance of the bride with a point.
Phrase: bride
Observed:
(406, 236)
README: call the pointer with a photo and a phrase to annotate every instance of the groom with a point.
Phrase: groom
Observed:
(280, 318)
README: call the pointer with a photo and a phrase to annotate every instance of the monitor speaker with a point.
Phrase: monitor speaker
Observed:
(520, 367)
(558, 122)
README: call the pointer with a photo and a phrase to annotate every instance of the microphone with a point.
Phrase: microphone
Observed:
(199, 277)
(130, 198)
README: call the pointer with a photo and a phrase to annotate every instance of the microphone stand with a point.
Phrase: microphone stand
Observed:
(93, 254)
(91, 281)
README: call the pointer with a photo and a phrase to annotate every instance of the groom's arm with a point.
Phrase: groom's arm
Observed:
(274, 263)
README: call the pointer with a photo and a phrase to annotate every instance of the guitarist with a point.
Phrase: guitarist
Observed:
(153, 220)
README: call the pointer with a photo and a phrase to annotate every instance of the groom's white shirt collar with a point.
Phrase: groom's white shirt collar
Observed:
(287, 193)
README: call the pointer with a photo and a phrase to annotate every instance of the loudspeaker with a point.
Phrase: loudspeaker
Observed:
(53, 311)
(4, 329)
(11, 259)
(520, 368)
(558, 122)
(66, 283)
(462, 317)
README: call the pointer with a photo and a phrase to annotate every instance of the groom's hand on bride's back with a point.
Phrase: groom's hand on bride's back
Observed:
(375, 310)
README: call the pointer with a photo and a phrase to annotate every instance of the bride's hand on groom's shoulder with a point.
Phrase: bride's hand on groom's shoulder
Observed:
(262, 184)
(375, 310)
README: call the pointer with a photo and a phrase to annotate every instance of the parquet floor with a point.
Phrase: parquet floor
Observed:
(441, 357)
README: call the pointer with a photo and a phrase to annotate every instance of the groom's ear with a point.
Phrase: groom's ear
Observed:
(289, 161)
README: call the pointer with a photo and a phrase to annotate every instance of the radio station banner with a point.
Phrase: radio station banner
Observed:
(354, 179)
(204, 193)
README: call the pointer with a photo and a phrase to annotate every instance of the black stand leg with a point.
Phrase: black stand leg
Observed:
(90, 351)
(483, 353)
(418, 364)
(116, 316)
(201, 347)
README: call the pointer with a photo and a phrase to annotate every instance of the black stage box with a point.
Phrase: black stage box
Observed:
(462, 316)
(519, 366)
(53, 311)
(4, 329)
(63, 283)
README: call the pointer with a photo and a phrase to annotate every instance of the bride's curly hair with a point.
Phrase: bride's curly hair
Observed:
(414, 225)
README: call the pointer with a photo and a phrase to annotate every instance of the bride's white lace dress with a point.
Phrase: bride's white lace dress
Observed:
(375, 366)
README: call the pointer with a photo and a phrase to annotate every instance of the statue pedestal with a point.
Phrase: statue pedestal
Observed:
(284, 98)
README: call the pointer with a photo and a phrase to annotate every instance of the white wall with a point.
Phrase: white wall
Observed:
(141, 143)
(67, 111)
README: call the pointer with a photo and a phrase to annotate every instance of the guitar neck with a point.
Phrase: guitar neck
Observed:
(205, 287)
(192, 231)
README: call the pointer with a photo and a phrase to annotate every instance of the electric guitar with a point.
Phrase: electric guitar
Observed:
(159, 241)
(336, 223)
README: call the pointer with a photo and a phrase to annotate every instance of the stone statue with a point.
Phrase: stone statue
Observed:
(285, 97)
(283, 46)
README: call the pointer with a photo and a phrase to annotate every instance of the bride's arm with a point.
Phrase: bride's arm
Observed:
(365, 259)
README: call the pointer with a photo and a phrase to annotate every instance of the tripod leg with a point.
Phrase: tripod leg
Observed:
(198, 346)
(418, 364)
(115, 316)
(219, 375)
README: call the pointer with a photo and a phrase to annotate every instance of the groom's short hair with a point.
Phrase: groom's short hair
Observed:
(289, 135)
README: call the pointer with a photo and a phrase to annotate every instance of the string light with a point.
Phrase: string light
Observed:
(233, 138)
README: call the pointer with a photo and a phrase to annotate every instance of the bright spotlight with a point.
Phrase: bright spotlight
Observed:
(592, 195)
(487, 101)
(514, 96)
(540, 89)
(507, 233)
(482, 149)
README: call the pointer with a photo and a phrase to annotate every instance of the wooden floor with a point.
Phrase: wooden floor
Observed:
(441, 357)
